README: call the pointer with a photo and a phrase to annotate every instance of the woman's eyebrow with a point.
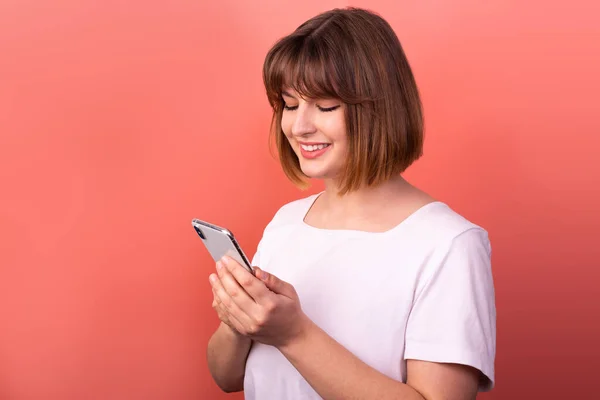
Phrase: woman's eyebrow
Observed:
(286, 94)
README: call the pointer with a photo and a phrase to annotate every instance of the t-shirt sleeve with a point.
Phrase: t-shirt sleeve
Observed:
(261, 254)
(453, 318)
(256, 258)
(266, 240)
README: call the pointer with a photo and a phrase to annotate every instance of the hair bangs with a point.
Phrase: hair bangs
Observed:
(302, 65)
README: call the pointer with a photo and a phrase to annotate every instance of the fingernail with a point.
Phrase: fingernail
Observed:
(263, 275)
(225, 259)
(219, 264)
(212, 278)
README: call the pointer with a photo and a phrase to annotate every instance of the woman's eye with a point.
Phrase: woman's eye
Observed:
(329, 109)
(322, 109)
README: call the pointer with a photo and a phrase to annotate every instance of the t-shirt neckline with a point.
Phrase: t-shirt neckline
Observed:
(406, 221)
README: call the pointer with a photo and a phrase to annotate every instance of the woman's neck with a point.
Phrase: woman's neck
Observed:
(369, 198)
(372, 209)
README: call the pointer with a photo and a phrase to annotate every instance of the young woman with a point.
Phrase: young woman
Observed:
(370, 289)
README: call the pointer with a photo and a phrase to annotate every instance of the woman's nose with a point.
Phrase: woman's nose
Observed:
(304, 122)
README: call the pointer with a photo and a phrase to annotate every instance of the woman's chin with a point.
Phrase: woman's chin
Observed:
(314, 173)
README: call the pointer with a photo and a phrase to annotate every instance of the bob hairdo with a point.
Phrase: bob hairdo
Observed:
(352, 55)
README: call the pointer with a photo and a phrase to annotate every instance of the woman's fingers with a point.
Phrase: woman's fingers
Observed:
(251, 284)
(234, 313)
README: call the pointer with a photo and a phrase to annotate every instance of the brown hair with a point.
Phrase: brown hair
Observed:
(352, 55)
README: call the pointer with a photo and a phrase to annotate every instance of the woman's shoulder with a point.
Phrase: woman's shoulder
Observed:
(292, 212)
(445, 219)
(296, 208)
(437, 223)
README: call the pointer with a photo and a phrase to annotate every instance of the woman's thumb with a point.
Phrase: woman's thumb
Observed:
(274, 283)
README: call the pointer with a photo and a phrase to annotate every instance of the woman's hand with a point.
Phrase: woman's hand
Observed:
(262, 307)
(221, 311)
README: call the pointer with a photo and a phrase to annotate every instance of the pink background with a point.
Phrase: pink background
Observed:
(122, 121)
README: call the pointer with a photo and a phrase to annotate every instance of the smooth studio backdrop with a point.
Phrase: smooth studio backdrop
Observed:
(122, 121)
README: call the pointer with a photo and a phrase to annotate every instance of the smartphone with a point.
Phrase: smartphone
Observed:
(220, 242)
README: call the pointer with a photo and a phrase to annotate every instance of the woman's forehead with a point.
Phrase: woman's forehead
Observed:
(290, 92)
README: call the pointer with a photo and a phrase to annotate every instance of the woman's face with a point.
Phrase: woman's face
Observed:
(316, 130)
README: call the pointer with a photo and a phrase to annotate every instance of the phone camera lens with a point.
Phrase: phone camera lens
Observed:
(199, 232)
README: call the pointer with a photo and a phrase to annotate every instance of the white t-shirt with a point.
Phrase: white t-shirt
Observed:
(422, 290)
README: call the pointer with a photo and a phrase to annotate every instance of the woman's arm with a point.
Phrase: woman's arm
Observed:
(335, 373)
(227, 352)
(226, 355)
